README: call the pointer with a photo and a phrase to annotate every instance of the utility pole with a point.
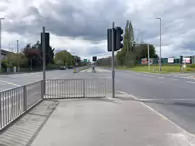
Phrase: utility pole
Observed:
(160, 64)
(148, 57)
(18, 56)
(0, 44)
(113, 65)
(44, 63)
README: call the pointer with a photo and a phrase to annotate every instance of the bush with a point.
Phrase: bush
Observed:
(191, 66)
(52, 66)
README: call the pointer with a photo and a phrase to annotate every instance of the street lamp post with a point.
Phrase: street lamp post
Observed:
(0, 44)
(160, 64)
(18, 56)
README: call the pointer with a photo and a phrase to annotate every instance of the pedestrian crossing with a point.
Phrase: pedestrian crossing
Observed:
(89, 70)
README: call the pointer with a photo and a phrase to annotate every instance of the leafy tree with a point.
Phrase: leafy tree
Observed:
(15, 60)
(131, 36)
(131, 53)
(48, 51)
(34, 56)
(126, 56)
(142, 51)
(63, 58)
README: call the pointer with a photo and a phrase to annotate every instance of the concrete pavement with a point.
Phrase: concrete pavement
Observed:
(109, 122)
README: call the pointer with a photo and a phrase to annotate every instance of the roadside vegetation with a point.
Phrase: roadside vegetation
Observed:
(30, 59)
(134, 50)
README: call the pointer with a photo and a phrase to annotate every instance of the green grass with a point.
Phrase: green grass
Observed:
(165, 69)
(155, 68)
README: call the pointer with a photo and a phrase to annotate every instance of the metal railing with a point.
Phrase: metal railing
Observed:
(75, 88)
(15, 102)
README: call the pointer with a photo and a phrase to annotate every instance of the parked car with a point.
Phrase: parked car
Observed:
(62, 67)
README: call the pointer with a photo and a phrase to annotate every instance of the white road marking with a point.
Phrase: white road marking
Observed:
(162, 116)
(190, 82)
(176, 99)
(9, 83)
(161, 77)
(174, 79)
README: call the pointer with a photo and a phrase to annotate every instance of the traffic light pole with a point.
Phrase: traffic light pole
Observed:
(113, 64)
(44, 59)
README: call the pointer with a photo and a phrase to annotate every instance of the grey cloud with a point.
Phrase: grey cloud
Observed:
(89, 22)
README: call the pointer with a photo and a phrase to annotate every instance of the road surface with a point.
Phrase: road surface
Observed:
(171, 95)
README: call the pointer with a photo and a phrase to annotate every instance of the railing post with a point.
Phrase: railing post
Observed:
(105, 87)
(84, 88)
(25, 98)
(42, 89)
(1, 125)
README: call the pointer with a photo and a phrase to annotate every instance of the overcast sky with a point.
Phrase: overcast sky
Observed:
(79, 26)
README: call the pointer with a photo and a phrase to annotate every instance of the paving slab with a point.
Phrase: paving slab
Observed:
(122, 121)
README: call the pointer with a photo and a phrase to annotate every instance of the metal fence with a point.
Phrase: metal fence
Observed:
(75, 88)
(15, 102)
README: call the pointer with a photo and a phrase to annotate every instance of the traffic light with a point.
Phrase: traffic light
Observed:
(181, 59)
(109, 39)
(94, 58)
(118, 39)
(47, 40)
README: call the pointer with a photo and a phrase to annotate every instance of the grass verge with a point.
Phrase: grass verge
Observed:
(155, 68)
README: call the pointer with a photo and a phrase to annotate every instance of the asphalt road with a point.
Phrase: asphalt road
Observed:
(172, 95)
(14, 80)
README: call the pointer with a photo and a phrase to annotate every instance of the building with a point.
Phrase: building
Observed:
(4, 53)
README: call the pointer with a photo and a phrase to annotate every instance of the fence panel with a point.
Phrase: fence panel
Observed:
(11, 105)
(95, 88)
(34, 93)
(64, 88)
(75, 88)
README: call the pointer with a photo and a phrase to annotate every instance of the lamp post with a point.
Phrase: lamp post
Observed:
(0, 44)
(160, 64)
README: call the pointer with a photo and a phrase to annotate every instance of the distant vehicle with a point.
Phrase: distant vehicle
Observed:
(62, 67)
(70, 67)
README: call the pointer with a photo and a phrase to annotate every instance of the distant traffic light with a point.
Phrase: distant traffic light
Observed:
(181, 59)
(118, 39)
(94, 58)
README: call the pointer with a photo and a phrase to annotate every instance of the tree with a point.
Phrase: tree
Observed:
(131, 36)
(131, 53)
(15, 60)
(34, 56)
(48, 51)
(142, 51)
(63, 58)
(127, 56)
